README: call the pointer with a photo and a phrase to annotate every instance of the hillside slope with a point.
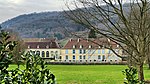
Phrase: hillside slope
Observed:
(47, 24)
(42, 25)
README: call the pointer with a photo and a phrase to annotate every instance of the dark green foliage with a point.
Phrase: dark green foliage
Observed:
(42, 25)
(131, 76)
(6, 48)
(35, 71)
(92, 34)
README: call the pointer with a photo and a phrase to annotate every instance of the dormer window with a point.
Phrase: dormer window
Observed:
(74, 46)
(47, 46)
(38, 46)
(99, 46)
(81, 46)
(117, 46)
(28, 46)
(90, 46)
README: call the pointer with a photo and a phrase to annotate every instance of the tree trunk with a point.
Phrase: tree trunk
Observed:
(140, 72)
(149, 65)
(148, 62)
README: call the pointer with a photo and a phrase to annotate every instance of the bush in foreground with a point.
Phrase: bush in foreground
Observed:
(35, 71)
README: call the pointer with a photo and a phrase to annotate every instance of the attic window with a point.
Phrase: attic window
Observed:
(37, 46)
(81, 46)
(47, 46)
(90, 46)
(117, 46)
(28, 46)
(74, 46)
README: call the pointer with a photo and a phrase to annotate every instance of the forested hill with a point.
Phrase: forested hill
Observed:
(45, 24)
(42, 25)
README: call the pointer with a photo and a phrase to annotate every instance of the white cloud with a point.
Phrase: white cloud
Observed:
(12, 8)
(17, 1)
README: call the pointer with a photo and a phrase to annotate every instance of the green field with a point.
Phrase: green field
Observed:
(90, 74)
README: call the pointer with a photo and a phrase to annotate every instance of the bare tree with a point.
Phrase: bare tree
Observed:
(111, 19)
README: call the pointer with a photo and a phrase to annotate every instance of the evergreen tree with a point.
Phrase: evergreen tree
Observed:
(92, 34)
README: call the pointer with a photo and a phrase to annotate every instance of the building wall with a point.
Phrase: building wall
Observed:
(80, 55)
(90, 55)
(48, 53)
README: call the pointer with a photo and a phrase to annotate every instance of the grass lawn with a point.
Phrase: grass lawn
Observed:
(89, 74)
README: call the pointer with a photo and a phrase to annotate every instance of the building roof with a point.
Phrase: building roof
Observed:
(38, 39)
(89, 43)
(42, 44)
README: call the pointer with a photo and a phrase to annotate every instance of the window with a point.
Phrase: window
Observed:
(89, 51)
(109, 51)
(38, 46)
(47, 53)
(73, 51)
(103, 51)
(52, 52)
(47, 46)
(81, 46)
(66, 57)
(74, 46)
(80, 51)
(74, 57)
(90, 46)
(103, 57)
(99, 57)
(43, 54)
(56, 52)
(66, 52)
(89, 57)
(60, 57)
(38, 53)
(99, 51)
(92, 51)
(84, 51)
(99, 46)
(28, 46)
(117, 46)
(52, 55)
(84, 57)
(80, 57)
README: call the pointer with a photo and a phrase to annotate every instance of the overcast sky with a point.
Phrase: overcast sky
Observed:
(13, 8)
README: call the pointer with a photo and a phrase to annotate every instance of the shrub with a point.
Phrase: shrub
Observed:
(131, 76)
(35, 71)
(6, 48)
